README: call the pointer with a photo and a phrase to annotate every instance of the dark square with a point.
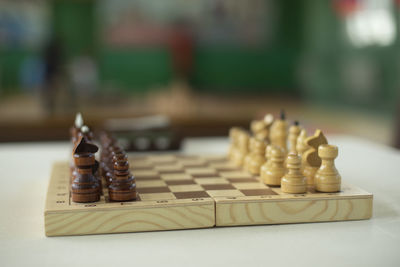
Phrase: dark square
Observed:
(149, 190)
(226, 169)
(171, 171)
(180, 182)
(257, 192)
(188, 195)
(147, 178)
(164, 163)
(204, 175)
(217, 186)
(141, 168)
(243, 180)
(194, 165)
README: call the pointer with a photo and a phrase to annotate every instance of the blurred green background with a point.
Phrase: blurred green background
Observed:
(336, 53)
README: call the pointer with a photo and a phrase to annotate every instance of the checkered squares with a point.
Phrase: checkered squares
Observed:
(168, 177)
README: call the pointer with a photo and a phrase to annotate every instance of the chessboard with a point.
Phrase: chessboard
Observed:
(186, 192)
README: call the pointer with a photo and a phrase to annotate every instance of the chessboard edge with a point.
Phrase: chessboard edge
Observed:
(281, 212)
(124, 221)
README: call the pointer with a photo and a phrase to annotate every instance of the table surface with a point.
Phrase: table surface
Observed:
(25, 170)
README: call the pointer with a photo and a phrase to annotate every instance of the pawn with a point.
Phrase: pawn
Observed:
(256, 157)
(267, 163)
(327, 178)
(294, 132)
(233, 133)
(294, 181)
(278, 132)
(112, 150)
(117, 156)
(243, 138)
(122, 187)
(246, 159)
(275, 170)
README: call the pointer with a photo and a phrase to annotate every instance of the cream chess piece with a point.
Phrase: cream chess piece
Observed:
(233, 136)
(301, 146)
(260, 128)
(311, 159)
(278, 133)
(246, 159)
(273, 172)
(294, 132)
(242, 149)
(327, 178)
(256, 157)
(267, 163)
(294, 181)
(257, 127)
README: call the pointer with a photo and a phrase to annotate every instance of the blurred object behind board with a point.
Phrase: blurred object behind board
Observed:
(151, 133)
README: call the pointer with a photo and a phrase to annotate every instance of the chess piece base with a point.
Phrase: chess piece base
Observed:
(332, 186)
(327, 188)
(294, 188)
(274, 178)
(91, 195)
(121, 195)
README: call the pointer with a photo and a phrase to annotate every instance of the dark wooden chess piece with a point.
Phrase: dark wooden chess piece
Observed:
(85, 185)
(122, 187)
(108, 168)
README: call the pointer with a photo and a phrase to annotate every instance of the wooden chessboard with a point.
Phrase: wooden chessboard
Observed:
(183, 192)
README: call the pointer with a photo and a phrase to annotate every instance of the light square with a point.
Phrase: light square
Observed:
(250, 186)
(151, 183)
(210, 171)
(185, 188)
(169, 168)
(192, 162)
(176, 176)
(236, 174)
(157, 196)
(223, 165)
(162, 158)
(144, 173)
(140, 163)
(225, 193)
(211, 180)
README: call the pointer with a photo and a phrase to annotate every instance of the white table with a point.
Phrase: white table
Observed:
(25, 170)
